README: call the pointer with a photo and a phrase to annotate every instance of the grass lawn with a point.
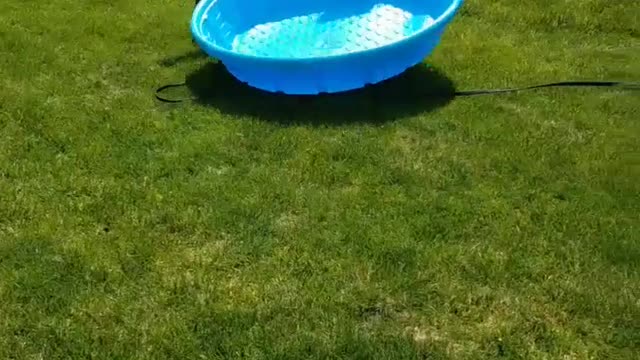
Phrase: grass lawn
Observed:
(385, 223)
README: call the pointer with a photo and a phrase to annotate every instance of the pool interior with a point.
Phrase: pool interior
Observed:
(319, 33)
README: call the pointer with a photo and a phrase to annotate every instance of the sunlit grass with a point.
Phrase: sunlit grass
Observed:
(393, 223)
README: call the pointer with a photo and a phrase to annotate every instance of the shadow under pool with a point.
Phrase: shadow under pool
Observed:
(418, 90)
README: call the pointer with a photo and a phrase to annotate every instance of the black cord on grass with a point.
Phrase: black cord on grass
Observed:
(465, 93)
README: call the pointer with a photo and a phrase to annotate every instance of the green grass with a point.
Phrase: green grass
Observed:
(385, 223)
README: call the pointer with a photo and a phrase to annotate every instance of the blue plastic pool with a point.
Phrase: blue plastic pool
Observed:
(309, 47)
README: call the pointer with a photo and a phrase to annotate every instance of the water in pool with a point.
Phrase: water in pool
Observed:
(313, 36)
